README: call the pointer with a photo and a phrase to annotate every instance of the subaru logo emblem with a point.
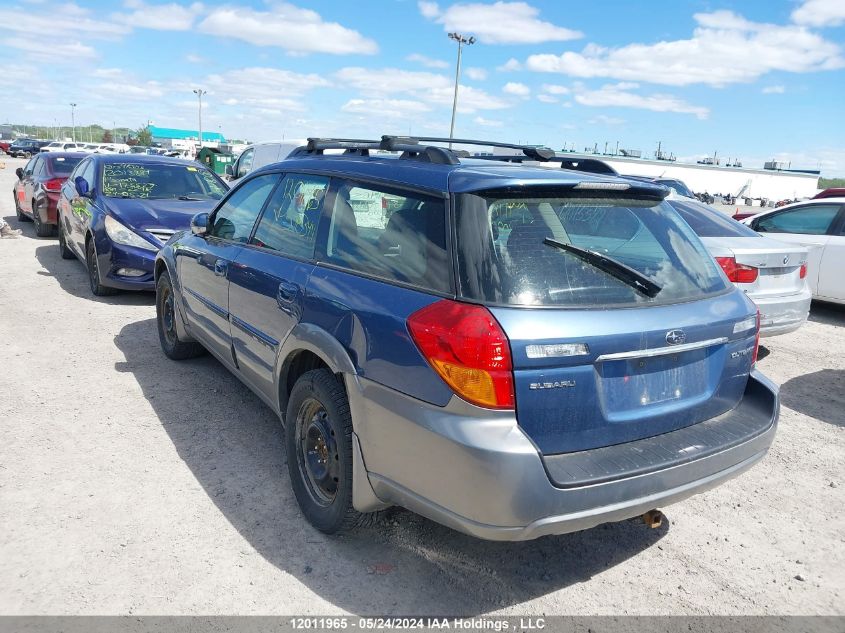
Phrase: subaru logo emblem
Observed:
(676, 337)
(786, 260)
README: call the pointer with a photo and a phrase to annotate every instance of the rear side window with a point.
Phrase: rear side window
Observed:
(810, 220)
(707, 222)
(235, 218)
(503, 256)
(390, 233)
(289, 222)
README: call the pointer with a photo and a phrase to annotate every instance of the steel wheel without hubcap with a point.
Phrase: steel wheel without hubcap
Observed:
(317, 452)
(167, 316)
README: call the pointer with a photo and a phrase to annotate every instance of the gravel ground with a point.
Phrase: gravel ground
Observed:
(132, 484)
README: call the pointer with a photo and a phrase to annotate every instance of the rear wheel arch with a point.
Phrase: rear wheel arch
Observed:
(297, 363)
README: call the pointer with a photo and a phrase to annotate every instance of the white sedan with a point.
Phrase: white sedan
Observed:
(820, 226)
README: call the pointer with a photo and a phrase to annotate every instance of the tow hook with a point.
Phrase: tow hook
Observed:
(653, 518)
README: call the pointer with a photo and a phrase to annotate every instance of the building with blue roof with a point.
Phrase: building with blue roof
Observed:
(181, 139)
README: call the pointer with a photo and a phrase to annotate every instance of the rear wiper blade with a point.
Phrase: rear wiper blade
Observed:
(612, 267)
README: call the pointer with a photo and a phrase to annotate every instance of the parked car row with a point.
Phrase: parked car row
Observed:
(509, 350)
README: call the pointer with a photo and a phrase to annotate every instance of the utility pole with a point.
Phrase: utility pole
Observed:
(461, 40)
(200, 92)
(73, 120)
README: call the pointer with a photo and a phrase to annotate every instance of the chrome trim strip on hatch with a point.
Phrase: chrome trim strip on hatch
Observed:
(662, 351)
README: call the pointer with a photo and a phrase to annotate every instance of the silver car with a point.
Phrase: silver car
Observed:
(773, 274)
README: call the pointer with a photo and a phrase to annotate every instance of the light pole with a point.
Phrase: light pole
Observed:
(461, 40)
(200, 92)
(73, 121)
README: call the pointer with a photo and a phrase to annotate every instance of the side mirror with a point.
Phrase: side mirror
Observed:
(81, 186)
(199, 224)
(19, 172)
(230, 170)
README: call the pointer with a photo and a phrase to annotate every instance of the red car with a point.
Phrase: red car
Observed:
(37, 188)
(4, 146)
(833, 192)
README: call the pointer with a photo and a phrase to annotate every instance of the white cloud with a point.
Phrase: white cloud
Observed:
(429, 10)
(476, 74)
(56, 52)
(820, 13)
(603, 119)
(773, 90)
(424, 86)
(68, 20)
(498, 23)
(517, 89)
(266, 89)
(487, 122)
(428, 62)
(195, 59)
(546, 98)
(725, 48)
(297, 30)
(161, 17)
(554, 89)
(619, 95)
(510, 65)
(393, 108)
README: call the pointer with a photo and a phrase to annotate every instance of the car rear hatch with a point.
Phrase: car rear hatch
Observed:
(631, 374)
(599, 359)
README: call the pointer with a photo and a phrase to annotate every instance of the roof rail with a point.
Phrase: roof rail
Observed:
(532, 151)
(417, 148)
(589, 165)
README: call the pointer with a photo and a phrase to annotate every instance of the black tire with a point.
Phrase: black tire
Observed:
(41, 229)
(318, 440)
(166, 317)
(64, 251)
(27, 154)
(97, 288)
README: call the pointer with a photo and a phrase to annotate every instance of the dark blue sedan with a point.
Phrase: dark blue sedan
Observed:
(116, 212)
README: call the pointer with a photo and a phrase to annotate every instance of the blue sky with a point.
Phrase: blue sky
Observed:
(757, 79)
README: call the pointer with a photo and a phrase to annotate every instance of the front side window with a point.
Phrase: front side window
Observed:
(810, 220)
(390, 233)
(160, 181)
(235, 218)
(512, 250)
(289, 222)
(245, 163)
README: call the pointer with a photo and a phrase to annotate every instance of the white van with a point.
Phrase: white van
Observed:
(258, 155)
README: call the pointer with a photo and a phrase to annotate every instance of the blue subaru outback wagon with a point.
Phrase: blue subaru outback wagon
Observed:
(509, 349)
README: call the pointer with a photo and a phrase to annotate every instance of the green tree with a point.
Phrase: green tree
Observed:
(107, 137)
(144, 136)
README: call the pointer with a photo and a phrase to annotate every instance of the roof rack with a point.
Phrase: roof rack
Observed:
(417, 148)
(589, 165)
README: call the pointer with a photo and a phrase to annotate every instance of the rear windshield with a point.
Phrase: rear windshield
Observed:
(503, 259)
(707, 222)
(160, 180)
(63, 165)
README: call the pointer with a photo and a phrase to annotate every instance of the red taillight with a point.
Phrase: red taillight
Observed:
(738, 273)
(803, 272)
(468, 349)
(54, 184)
(756, 341)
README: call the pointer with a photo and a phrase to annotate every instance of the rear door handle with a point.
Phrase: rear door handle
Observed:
(220, 267)
(287, 292)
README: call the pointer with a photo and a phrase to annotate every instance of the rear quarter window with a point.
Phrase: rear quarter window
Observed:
(707, 222)
(389, 233)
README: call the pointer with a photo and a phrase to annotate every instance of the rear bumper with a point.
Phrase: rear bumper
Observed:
(477, 472)
(780, 315)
